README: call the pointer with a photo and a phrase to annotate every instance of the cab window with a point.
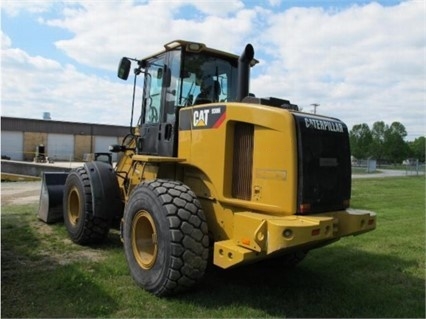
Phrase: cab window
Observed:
(153, 85)
(207, 79)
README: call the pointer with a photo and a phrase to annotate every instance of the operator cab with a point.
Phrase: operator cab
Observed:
(182, 75)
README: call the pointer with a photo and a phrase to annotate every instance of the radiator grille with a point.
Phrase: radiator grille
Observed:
(324, 164)
(242, 161)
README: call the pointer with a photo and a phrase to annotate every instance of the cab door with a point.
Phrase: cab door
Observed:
(158, 130)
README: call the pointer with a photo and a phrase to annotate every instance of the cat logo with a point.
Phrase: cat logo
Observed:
(209, 117)
(201, 117)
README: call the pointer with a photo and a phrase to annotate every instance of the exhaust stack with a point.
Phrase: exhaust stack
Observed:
(244, 72)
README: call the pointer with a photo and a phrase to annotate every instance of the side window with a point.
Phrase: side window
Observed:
(223, 81)
(211, 88)
(207, 79)
(188, 89)
(154, 83)
(172, 91)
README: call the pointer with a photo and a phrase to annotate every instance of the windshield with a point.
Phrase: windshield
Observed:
(176, 78)
(207, 79)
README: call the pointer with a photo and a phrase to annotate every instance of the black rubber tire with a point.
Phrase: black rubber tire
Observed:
(82, 227)
(165, 237)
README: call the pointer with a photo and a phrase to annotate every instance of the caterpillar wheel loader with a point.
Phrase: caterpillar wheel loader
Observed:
(210, 170)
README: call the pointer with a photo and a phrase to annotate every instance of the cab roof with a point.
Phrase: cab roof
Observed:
(191, 46)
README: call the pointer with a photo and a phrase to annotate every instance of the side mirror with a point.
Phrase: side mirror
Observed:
(124, 68)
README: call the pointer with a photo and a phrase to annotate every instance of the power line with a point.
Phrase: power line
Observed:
(315, 105)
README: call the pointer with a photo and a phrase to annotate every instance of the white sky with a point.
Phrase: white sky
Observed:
(361, 61)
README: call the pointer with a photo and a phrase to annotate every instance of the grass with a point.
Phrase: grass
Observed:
(379, 274)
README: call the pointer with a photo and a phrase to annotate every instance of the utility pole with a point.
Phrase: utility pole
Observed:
(315, 105)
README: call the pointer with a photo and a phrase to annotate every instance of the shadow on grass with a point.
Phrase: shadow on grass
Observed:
(332, 282)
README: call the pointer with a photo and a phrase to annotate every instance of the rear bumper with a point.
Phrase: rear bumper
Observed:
(256, 235)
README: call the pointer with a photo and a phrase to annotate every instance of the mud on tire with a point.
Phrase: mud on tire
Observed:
(165, 237)
(82, 227)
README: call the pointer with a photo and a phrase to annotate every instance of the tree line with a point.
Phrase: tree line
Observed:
(385, 143)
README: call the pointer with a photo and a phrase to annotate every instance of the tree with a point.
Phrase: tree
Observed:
(394, 147)
(417, 148)
(378, 136)
(360, 139)
(385, 143)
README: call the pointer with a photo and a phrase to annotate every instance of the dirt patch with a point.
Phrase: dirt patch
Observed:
(21, 193)
(56, 257)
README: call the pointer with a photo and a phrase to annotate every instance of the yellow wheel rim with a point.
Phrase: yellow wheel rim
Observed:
(74, 210)
(144, 239)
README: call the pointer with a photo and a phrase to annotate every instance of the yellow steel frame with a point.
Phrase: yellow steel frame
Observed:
(244, 230)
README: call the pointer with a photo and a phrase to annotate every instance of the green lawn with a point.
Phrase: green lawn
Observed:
(378, 274)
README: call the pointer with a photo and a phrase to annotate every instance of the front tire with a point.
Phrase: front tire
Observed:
(165, 237)
(83, 228)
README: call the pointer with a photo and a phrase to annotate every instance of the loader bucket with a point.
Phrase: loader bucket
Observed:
(52, 189)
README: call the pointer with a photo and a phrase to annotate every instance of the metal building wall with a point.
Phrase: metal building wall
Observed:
(60, 147)
(31, 140)
(59, 137)
(102, 144)
(12, 145)
(83, 144)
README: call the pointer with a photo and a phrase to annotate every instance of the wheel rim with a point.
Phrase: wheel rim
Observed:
(74, 207)
(144, 239)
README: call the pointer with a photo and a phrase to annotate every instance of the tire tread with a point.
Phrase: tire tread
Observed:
(188, 232)
(94, 229)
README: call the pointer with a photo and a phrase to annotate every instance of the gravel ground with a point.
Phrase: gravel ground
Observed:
(20, 192)
(388, 173)
(28, 192)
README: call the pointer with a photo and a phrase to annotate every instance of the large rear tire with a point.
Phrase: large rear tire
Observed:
(82, 227)
(165, 237)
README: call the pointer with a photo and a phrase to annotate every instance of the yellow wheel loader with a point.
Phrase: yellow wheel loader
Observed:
(210, 170)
